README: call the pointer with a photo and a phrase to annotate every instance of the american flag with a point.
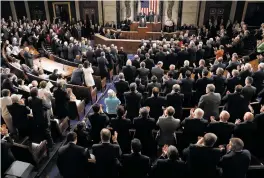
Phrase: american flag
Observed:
(147, 5)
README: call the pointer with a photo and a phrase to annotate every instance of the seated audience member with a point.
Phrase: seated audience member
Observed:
(77, 77)
(6, 101)
(54, 75)
(132, 101)
(42, 74)
(78, 59)
(98, 121)
(232, 82)
(140, 87)
(222, 128)
(249, 91)
(61, 101)
(246, 131)
(144, 125)
(121, 87)
(168, 125)
(111, 103)
(194, 126)
(158, 71)
(153, 84)
(8, 84)
(122, 125)
(202, 158)
(219, 81)
(169, 83)
(155, 103)
(175, 99)
(135, 164)
(210, 102)
(72, 159)
(41, 118)
(21, 84)
(233, 101)
(82, 135)
(169, 164)
(258, 77)
(129, 71)
(236, 161)
(107, 155)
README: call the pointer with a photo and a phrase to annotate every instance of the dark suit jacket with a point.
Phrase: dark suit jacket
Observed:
(258, 78)
(216, 66)
(106, 155)
(129, 73)
(136, 63)
(135, 165)
(249, 93)
(201, 86)
(210, 104)
(53, 77)
(184, 69)
(231, 83)
(61, 102)
(102, 65)
(155, 104)
(234, 101)
(132, 104)
(168, 168)
(176, 101)
(235, 164)
(39, 109)
(232, 66)
(223, 130)
(28, 59)
(98, 122)
(157, 72)
(77, 77)
(219, 82)
(199, 54)
(149, 63)
(187, 85)
(121, 87)
(19, 115)
(8, 84)
(202, 161)
(259, 121)
(72, 161)
(143, 73)
(243, 75)
(168, 85)
(90, 57)
(151, 85)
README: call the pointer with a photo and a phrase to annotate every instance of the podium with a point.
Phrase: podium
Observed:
(142, 32)
(152, 26)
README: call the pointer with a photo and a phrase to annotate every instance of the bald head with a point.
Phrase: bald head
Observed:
(248, 116)
(224, 116)
(198, 113)
(105, 135)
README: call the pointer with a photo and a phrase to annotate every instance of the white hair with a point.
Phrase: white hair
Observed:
(14, 98)
(186, 63)
(154, 45)
(198, 113)
(128, 63)
(65, 43)
(248, 66)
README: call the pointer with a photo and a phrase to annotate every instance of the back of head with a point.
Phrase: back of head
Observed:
(176, 88)
(80, 66)
(188, 74)
(96, 108)
(238, 88)
(136, 145)
(210, 88)
(34, 92)
(120, 111)
(154, 79)
(170, 111)
(133, 87)
(71, 137)
(198, 113)
(105, 135)
(5, 92)
(205, 73)
(155, 91)
(121, 76)
(236, 144)
(43, 84)
(249, 80)
(144, 112)
(224, 116)
(209, 139)
(173, 153)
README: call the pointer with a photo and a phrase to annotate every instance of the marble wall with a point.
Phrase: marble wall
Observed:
(174, 11)
(190, 12)
(109, 9)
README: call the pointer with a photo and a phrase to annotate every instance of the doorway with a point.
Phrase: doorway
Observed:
(89, 15)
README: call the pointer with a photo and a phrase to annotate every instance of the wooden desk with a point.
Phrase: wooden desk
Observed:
(49, 65)
(153, 27)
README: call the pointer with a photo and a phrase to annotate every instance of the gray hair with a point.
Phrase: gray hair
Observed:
(121, 76)
(210, 88)
(128, 63)
(198, 113)
(15, 98)
(209, 139)
(236, 144)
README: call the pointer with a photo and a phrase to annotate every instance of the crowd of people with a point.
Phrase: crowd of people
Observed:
(163, 77)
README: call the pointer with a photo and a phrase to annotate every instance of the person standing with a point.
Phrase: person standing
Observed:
(6, 101)
(88, 70)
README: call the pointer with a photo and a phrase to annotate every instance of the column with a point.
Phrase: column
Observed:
(47, 10)
(13, 10)
(202, 11)
(109, 11)
(77, 8)
(189, 12)
(233, 11)
(27, 10)
(100, 15)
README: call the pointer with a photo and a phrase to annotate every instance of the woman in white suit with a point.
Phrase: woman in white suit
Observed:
(88, 70)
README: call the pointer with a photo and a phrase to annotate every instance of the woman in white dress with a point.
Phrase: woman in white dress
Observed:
(88, 70)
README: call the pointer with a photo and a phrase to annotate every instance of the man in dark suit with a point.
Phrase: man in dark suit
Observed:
(122, 57)
(219, 81)
(132, 101)
(149, 62)
(201, 84)
(186, 88)
(135, 164)
(61, 101)
(182, 56)
(232, 82)
(220, 64)
(41, 121)
(54, 75)
(8, 84)
(72, 159)
(158, 71)
(259, 77)
(169, 83)
(233, 63)
(210, 102)
(236, 161)
(98, 121)
(90, 56)
(194, 125)
(248, 91)
(136, 61)
(246, 72)
(144, 126)
(107, 155)
(198, 71)
(222, 128)
(28, 57)
(19, 113)
(129, 72)
(102, 64)
(199, 54)
(246, 131)
(155, 103)
(121, 87)
(233, 101)
(169, 164)
(202, 159)
(175, 99)
(153, 84)
(185, 68)
(259, 121)
(77, 77)
(76, 49)
(143, 73)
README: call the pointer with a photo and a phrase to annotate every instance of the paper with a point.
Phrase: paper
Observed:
(49, 85)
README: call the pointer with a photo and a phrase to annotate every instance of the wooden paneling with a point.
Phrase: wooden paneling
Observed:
(152, 27)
